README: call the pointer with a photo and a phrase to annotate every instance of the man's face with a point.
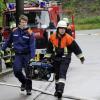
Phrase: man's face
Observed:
(23, 23)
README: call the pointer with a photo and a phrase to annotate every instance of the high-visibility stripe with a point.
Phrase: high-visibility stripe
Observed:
(47, 55)
(54, 48)
(26, 37)
(80, 55)
(62, 80)
(7, 61)
(65, 50)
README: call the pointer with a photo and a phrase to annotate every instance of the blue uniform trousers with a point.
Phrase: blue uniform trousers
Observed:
(22, 61)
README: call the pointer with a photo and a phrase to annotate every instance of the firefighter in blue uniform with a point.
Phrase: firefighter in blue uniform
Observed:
(59, 47)
(24, 46)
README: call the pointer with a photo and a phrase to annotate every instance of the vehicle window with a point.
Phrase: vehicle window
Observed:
(36, 19)
(45, 18)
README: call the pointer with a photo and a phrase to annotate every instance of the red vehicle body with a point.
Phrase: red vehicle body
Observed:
(73, 27)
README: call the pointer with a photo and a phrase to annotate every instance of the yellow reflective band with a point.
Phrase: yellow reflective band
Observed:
(7, 61)
(37, 57)
(47, 55)
(65, 50)
(2, 52)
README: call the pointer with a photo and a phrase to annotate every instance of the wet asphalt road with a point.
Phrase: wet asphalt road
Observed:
(83, 80)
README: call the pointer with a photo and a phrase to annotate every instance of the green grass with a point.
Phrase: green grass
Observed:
(87, 20)
(87, 26)
(87, 23)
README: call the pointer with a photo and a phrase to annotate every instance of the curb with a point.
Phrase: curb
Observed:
(5, 72)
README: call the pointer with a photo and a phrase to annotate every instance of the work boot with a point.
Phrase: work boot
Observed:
(60, 89)
(28, 87)
(59, 94)
(28, 92)
(22, 87)
(55, 94)
(56, 88)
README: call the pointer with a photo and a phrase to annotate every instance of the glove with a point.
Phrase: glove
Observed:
(82, 59)
(1, 52)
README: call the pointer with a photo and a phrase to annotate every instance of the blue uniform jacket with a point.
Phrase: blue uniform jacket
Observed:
(22, 41)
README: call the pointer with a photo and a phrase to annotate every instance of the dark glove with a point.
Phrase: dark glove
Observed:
(82, 59)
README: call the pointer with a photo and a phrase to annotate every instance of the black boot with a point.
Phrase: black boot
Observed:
(28, 87)
(60, 89)
(56, 88)
(28, 92)
(23, 87)
(59, 94)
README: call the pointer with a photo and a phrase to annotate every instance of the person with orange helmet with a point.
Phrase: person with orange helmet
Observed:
(59, 47)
